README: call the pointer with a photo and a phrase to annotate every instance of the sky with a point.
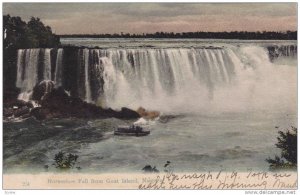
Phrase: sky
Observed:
(97, 18)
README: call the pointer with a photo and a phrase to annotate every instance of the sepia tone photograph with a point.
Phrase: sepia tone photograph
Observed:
(132, 95)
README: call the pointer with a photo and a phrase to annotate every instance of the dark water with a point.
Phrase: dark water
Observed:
(190, 142)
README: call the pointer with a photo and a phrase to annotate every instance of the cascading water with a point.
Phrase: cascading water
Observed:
(86, 74)
(27, 72)
(167, 79)
(59, 68)
(20, 68)
(47, 64)
(152, 77)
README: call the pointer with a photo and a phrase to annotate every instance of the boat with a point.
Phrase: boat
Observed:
(132, 130)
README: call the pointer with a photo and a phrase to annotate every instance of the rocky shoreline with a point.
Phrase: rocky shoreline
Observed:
(56, 103)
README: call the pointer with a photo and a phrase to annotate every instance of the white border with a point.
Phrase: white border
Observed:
(132, 192)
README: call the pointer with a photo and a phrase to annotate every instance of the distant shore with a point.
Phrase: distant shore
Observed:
(242, 35)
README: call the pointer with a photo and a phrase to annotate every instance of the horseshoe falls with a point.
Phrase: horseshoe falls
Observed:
(172, 80)
(222, 103)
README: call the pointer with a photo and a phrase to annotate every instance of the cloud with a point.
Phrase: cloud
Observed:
(149, 17)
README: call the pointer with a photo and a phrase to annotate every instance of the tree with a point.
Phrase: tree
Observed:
(19, 34)
(43, 34)
(287, 142)
(14, 30)
(63, 161)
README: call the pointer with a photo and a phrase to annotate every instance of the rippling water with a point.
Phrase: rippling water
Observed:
(190, 142)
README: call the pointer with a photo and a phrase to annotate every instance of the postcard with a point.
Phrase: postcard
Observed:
(132, 95)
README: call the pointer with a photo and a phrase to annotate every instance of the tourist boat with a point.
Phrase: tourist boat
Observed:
(132, 130)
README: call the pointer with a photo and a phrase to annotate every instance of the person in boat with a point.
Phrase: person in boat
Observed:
(135, 128)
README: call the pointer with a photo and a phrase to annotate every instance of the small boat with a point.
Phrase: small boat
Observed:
(132, 130)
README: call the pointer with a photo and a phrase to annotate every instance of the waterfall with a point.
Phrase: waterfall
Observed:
(160, 78)
(133, 76)
(282, 51)
(86, 76)
(109, 76)
(59, 68)
(28, 65)
(27, 69)
(20, 68)
(47, 65)
(27, 72)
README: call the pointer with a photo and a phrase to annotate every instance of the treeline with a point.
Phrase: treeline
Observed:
(19, 34)
(288, 35)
